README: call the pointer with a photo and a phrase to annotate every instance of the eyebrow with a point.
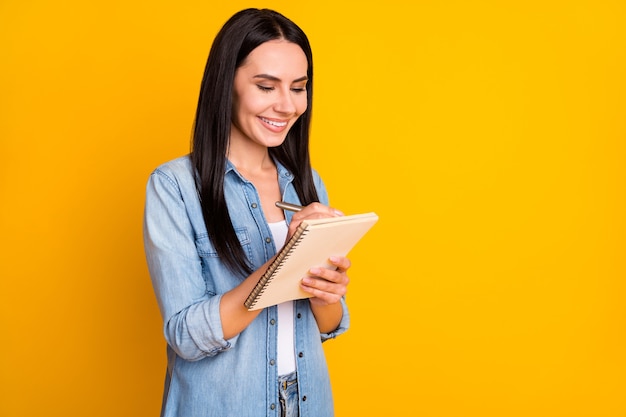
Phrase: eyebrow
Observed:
(273, 78)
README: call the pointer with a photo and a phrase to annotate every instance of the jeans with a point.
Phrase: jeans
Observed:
(288, 395)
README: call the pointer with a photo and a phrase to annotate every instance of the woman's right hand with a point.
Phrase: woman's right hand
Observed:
(312, 211)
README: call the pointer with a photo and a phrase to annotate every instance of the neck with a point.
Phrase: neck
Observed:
(250, 159)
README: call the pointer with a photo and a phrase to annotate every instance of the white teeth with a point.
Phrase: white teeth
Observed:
(277, 124)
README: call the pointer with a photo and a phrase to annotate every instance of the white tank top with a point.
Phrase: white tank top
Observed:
(286, 349)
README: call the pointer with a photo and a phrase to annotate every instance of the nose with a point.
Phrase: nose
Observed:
(285, 102)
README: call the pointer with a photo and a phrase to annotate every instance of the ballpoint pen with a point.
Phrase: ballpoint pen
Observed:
(288, 206)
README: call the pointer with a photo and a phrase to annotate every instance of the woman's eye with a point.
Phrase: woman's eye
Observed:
(264, 88)
(298, 89)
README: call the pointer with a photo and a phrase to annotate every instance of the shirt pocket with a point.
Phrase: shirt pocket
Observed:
(218, 278)
(207, 250)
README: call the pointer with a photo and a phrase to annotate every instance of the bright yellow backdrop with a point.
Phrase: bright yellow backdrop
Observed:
(489, 136)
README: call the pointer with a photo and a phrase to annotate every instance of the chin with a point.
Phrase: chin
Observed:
(274, 142)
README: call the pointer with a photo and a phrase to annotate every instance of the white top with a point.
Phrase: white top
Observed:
(286, 349)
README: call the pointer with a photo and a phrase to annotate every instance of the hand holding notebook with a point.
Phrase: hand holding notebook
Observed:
(313, 243)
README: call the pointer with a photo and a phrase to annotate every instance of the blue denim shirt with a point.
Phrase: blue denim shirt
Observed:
(208, 375)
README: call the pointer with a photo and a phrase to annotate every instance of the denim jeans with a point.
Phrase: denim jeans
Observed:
(288, 395)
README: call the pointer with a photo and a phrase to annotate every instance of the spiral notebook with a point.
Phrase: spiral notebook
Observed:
(311, 245)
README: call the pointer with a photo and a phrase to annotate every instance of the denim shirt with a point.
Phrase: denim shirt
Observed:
(208, 375)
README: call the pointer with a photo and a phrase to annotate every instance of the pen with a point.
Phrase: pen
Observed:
(288, 206)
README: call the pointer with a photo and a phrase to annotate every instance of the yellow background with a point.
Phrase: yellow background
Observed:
(489, 136)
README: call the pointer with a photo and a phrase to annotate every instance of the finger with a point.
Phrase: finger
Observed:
(322, 288)
(341, 262)
(330, 275)
(326, 298)
(317, 210)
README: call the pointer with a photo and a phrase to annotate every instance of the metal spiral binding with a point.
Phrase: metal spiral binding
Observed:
(275, 266)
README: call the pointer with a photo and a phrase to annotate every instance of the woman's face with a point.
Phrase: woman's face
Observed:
(269, 93)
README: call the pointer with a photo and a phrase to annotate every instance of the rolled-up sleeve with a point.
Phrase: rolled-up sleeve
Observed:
(192, 325)
(344, 324)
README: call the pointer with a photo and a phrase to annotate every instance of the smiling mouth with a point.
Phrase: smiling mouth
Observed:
(273, 122)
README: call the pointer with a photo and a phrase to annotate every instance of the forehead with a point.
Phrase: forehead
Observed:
(277, 57)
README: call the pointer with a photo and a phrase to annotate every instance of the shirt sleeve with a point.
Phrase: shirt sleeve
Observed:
(344, 324)
(192, 324)
(322, 194)
(345, 318)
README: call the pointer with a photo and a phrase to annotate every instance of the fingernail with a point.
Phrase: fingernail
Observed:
(315, 271)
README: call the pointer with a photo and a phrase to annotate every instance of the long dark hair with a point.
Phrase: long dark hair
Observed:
(242, 33)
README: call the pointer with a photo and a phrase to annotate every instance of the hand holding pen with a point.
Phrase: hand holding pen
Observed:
(312, 211)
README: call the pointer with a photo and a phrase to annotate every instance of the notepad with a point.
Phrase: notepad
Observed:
(313, 243)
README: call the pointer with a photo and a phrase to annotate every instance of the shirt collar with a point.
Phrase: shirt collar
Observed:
(282, 171)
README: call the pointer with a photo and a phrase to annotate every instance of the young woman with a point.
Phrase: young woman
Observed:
(211, 228)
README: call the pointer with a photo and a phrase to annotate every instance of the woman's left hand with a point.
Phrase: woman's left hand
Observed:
(326, 285)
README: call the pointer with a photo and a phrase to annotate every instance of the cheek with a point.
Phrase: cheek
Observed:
(301, 105)
(254, 103)
(244, 106)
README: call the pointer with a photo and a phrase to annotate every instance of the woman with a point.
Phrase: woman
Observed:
(211, 229)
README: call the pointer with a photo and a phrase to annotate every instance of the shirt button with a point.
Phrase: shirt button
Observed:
(304, 398)
(272, 322)
(273, 407)
(299, 315)
(300, 354)
(254, 205)
(268, 239)
(272, 362)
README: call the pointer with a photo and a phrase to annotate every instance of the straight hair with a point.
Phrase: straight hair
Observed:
(239, 36)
